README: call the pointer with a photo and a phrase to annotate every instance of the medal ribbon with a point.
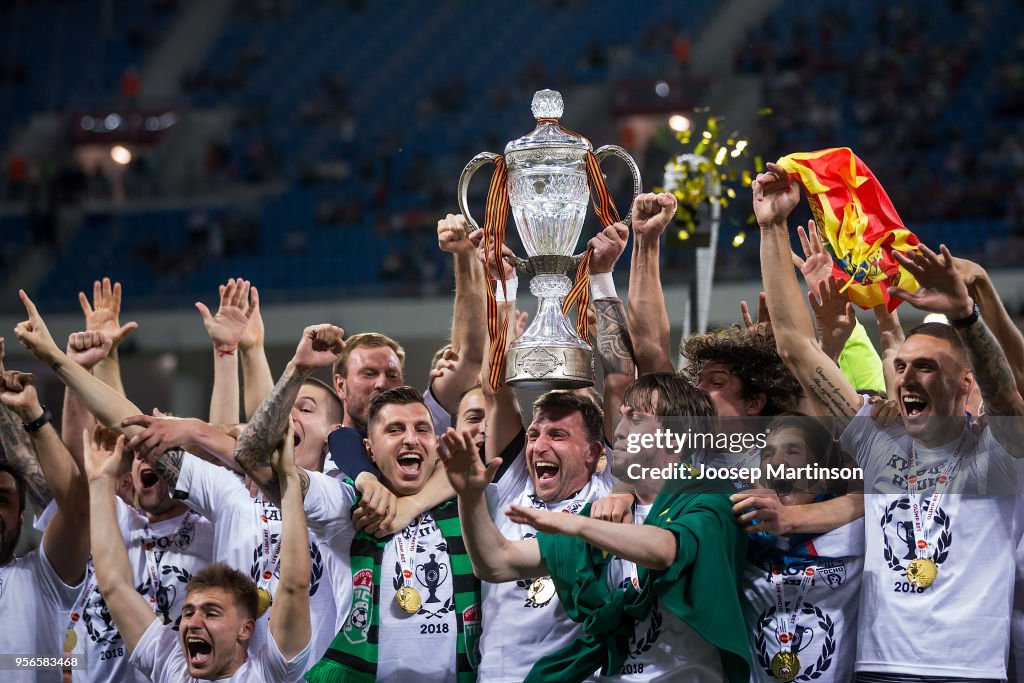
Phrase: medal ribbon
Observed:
(785, 623)
(408, 568)
(90, 586)
(270, 557)
(149, 546)
(945, 478)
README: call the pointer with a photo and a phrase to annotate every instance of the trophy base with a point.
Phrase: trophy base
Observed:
(550, 367)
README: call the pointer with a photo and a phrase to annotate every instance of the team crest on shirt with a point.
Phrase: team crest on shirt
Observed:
(316, 564)
(898, 535)
(807, 641)
(186, 532)
(171, 580)
(357, 626)
(832, 573)
(472, 628)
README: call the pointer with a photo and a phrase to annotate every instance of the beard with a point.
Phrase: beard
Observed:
(7, 545)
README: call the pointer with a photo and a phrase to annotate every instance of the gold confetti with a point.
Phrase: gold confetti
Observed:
(739, 239)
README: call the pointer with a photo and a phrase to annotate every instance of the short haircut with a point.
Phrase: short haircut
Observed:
(593, 418)
(19, 483)
(458, 404)
(750, 355)
(220, 575)
(946, 333)
(366, 340)
(824, 449)
(335, 407)
(402, 396)
(676, 397)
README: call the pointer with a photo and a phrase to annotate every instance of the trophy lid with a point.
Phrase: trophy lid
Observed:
(547, 109)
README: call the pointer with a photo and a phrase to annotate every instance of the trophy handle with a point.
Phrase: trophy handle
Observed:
(467, 173)
(616, 151)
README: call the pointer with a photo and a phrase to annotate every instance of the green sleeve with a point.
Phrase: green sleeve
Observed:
(861, 363)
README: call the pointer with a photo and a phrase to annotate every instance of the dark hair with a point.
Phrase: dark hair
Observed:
(666, 394)
(220, 575)
(825, 451)
(402, 396)
(335, 407)
(19, 483)
(458, 404)
(366, 340)
(750, 355)
(946, 333)
(593, 418)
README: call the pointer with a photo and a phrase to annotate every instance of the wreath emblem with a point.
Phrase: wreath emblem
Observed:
(817, 669)
(905, 532)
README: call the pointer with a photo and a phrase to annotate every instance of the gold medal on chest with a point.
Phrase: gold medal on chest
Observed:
(263, 601)
(921, 572)
(785, 666)
(541, 591)
(408, 598)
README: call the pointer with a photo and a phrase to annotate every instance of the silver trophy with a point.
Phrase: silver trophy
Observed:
(548, 194)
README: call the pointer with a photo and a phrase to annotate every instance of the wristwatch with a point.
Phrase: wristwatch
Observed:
(37, 424)
(968, 321)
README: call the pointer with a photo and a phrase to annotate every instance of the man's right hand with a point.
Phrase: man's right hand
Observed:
(229, 324)
(652, 214)
(775, 196)
(104, 313)
(319, 347)
(88, 348)
(466, 472)
(159, 434)
(453, 235)
(105, 455)
(32, 333)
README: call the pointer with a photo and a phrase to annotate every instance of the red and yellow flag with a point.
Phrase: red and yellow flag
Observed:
(858, 223)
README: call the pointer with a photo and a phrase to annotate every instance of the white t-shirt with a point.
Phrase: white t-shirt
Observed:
(420, 646)
(663, 648)
(826, 626)
(239, 524)
(34, 608)
(518, 630)
(182, 546)
(159, 656)
(960, 625)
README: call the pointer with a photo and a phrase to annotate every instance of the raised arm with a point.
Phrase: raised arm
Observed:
(257, 380)
(87, 349)
(289, 622)
(18, 450)
(469, 315)
(104, 315)
(891, 336)
(103, 463)
(163, 439)
(943, 290)
(319, 347)
(613, 342)
(66, 547)
(775, 196)
(994, 313)
(646, 312)
(225, 330)
(495, 558)
(109, 406)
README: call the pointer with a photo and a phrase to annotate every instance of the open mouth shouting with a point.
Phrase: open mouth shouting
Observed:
(913, 405)
(198, 651)
(410, 464)
(148, 478)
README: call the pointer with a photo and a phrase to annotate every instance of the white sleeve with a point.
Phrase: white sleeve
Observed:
(207, 488)
(860, 435)
(53, 589)
(328, 501)
(274, 667)
(158, 653)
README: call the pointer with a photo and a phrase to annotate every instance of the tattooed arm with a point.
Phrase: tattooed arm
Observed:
(994, 313)
(613, 342)
(775, 196)
(319, 347)
(19, 452)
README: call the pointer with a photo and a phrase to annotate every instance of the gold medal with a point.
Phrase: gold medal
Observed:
(921, 572)
(541, 591)
(70, 640)
(263, 601)
(785, 666)
(408, 598)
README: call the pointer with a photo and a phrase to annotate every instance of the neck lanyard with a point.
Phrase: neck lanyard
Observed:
(270, 557)
(407, 568)
(83, 601)
(945, 477)
(153, 565)
(785, 622)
